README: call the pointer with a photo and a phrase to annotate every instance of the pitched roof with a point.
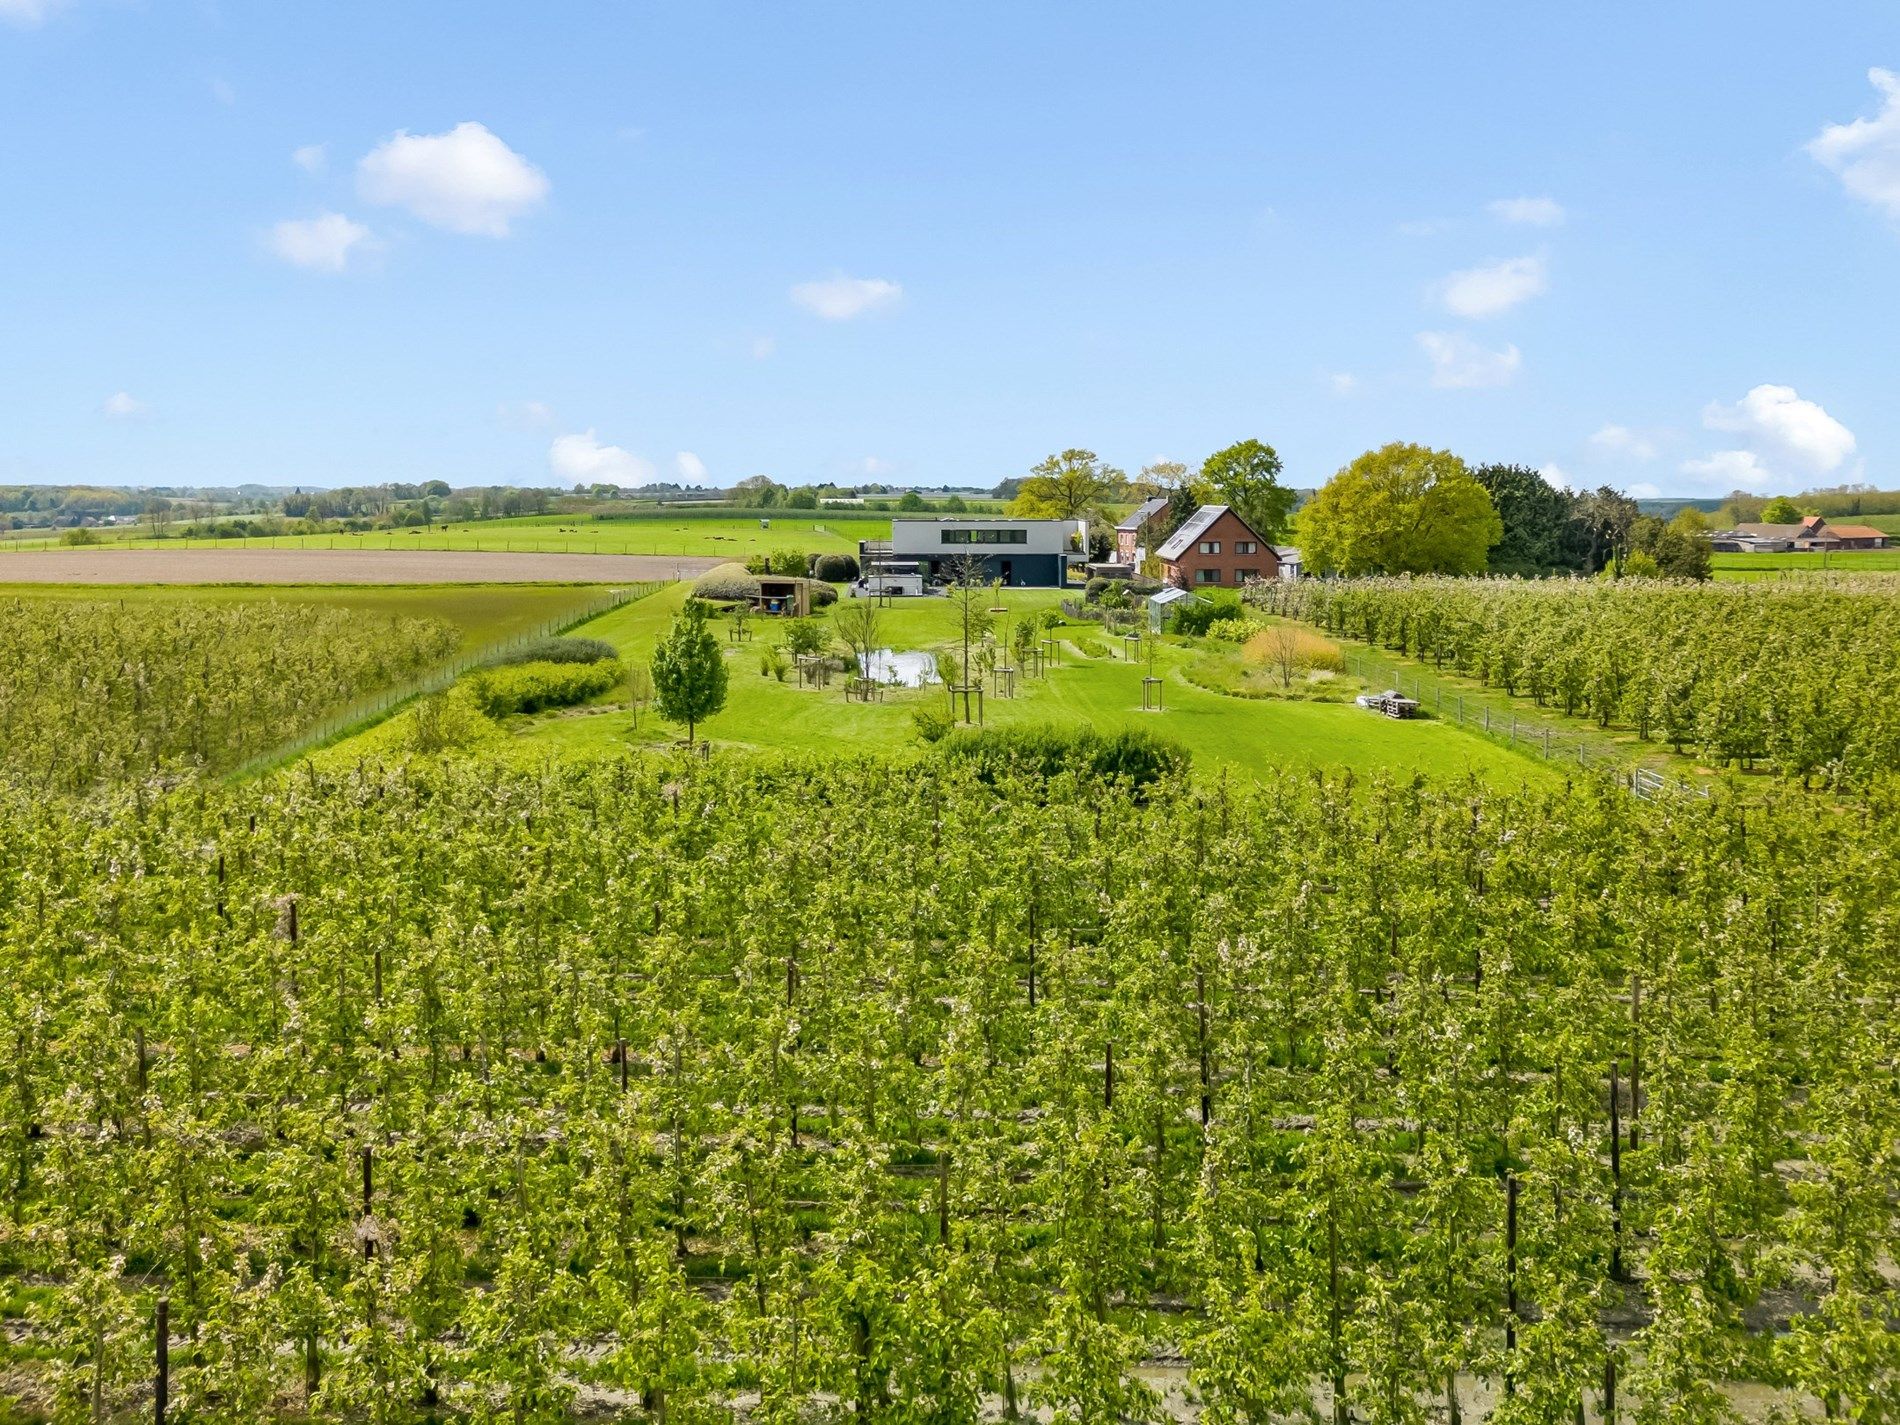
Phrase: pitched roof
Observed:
(1772, 531)
(1143, 512)
(1196, 526)
(1854, 531)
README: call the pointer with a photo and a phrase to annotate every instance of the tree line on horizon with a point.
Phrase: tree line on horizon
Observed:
(1401, 509)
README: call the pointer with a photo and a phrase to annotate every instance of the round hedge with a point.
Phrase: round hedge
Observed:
(835, 568)
(726, 583)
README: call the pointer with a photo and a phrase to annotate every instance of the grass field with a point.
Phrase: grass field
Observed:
(1774, 566)
(663, 532)
(484, 613)
(1221, 731)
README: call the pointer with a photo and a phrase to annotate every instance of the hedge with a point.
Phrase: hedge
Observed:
(557, 650)
(530, 687)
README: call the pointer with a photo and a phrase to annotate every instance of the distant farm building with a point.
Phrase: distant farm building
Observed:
(1815, 533)
(1217, 548)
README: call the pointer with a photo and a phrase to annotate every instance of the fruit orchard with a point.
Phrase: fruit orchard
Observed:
(1803, 681)
(675, 1091)
(96, 692)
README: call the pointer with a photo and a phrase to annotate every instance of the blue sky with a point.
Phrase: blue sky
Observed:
(340, 242)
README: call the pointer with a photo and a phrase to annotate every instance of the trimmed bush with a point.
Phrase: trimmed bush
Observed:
(835, 568)
(823, 595)
(1139, 757)
(1195, 616)
(557, 650)
(726, 583)
(530, 687)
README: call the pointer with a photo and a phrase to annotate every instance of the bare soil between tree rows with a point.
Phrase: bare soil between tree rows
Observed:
(337, 566)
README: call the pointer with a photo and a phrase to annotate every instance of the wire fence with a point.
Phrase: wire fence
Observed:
(372, 708)
(1554, 744)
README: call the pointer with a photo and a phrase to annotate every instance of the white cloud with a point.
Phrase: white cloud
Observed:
(1554, 475)
(690, 467)
(1458, 361)
(465, 180)
(29, 12)
(1865, 154)
(1787, 430)
(312, 157)
(1727, 470)
(123, 406)
(763, 347)
(839, 299)
(1621, 440)
(584, 460)
(1344, 383)
(325, 243)
(1530, 212)
(1487, 291)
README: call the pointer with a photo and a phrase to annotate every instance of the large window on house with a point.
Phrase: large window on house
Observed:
(1207, 576)
(1246, 546)
(985, 536)
(1210, 546)
(1241, 576)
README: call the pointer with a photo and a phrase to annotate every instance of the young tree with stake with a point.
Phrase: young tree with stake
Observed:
(689, 672)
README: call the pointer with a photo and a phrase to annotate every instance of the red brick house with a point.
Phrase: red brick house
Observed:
(1216, 548)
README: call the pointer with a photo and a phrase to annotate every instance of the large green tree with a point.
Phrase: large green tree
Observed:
(1401, 509)
(1541, 529)
(1607, 516)
(1246, 477)
(1158, 479)
(689, 672)
(1679, 551)
(1781, 510)
(1073, 485)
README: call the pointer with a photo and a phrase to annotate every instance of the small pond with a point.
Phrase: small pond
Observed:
(909, 670)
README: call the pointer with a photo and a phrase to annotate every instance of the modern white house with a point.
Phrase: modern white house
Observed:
(1021, 553)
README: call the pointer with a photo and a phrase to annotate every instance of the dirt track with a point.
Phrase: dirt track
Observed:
(336, 566)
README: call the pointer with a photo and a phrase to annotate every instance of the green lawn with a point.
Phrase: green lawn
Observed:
(485, 613)
(661, 532)
(762, 714)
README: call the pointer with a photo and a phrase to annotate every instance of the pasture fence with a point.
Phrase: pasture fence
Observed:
(1552, 742)
(372, 708)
